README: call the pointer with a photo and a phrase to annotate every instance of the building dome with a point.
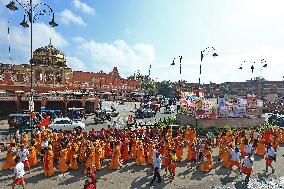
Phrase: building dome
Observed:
(49, 56)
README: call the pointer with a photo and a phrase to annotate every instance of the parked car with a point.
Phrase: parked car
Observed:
(139, 113)
(76, 113)
(149, 113)
(21, 121)
(66, 124)
(144, 113)
(169, 110)
(112, 112)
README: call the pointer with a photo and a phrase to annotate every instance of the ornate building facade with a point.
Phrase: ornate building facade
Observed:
(51, 73)
(50, 66)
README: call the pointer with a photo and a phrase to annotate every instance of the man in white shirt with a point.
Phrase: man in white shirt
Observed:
(157, 168)
(236, 158)
(18, 136)
(19, 174)
(247, 165)
(23, 154)
(248, 149)
(269, 157)
(255, 138)
(155, 151)
(44, 147)
(115, 125)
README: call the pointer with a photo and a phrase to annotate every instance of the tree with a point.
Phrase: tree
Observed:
(147, 84)
(260, 79)
(165, 88)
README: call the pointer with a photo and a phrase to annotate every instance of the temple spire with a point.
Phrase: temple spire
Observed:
(50, 41)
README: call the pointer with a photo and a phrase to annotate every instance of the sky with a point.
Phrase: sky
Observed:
(132, 35)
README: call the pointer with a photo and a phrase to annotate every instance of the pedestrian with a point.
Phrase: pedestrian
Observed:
(23, 154)
(270, 157)
(235, 159)
(19, 174)
(18, 136)
(157, 168)
(92, 183)
(247, 166)
(44, 147)
(255, 138)
(172, 165)
(247, 149)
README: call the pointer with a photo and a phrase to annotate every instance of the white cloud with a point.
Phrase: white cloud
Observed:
(68, 17)
(146, 51)
(83, 7)
(104, 56)
(79, 39)
(76, 64)
(20, 39)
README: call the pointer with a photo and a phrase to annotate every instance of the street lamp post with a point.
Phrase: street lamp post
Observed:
(207, 51)
(262, 64)
(100, 92)
(180, 82)
(29, 11)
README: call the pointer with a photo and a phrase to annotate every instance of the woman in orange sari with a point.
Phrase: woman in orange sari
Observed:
(134, 149)
(107, 149)
(125, 151)
(48, 162)
(74, 156)
(140, 160)
(226, 156)
(207, 163)
(103, 149)
(32, 156)
(260, 149)
(38, 140)
(191, 152)
(150, 153)
(170, 133)
(68, 152)
(179, 149)
(83, 149)
(63, 166)
(10, 156)
(91, 158)
(55, 146)
(25, 140)
(98, 157)
(115, 160)
(281, 136)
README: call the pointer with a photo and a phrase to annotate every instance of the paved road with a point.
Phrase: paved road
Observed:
(124, 111)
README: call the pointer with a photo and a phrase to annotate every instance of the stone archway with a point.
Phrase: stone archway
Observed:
(8, 107)
(74, 104)
(56, 105)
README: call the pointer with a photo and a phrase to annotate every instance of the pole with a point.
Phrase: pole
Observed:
(31, 62)
(100, 93)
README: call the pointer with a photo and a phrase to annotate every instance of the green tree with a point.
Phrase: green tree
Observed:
(165, 88)
(147, 84)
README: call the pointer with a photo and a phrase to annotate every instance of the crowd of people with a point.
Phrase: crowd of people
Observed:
(158, 147)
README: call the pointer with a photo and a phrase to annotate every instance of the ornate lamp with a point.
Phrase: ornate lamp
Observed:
(173, 63)
(52, 23)
(12, 6)
(24, 23)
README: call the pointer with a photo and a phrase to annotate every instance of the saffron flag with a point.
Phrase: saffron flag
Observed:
(45, 122)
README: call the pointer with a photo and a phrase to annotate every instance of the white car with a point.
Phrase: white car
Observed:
(66, 124)
(169, 110)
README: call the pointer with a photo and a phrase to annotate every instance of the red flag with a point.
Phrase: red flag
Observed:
(45, 122)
